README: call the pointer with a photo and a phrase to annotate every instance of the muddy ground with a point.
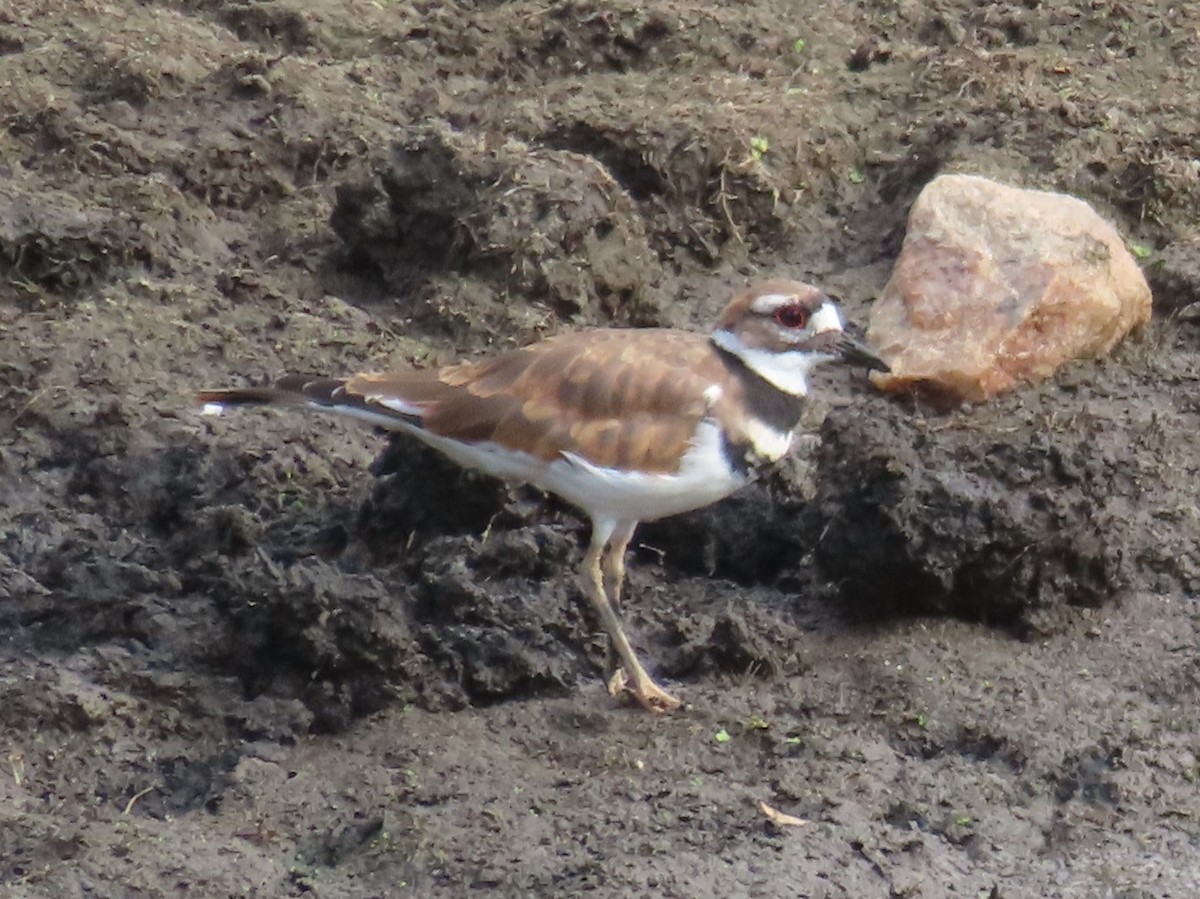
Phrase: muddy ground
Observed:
(267, 655)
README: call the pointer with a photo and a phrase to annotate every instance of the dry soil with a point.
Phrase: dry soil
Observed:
(269, 655)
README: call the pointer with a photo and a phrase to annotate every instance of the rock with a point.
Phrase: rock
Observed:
(996, 285)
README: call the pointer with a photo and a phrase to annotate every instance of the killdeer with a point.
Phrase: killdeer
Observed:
(626, 425)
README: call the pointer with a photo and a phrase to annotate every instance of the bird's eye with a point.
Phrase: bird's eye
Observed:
(793, 316)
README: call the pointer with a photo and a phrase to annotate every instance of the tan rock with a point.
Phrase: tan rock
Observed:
(996, 285)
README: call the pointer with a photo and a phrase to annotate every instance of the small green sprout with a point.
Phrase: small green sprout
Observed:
(800, 44)
(759, 146)
(722, 736)
(1140, 250)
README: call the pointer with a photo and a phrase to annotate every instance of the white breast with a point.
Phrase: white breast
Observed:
(769, 443)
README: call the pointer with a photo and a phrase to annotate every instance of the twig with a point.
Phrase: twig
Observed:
(136, 796)
(723, 196)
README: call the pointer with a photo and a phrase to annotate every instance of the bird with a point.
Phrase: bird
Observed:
(625, 424)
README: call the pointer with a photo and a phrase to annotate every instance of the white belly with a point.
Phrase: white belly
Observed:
(704, 476)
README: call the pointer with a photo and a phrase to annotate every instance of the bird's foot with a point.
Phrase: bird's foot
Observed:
(650, 695)
(617, 682)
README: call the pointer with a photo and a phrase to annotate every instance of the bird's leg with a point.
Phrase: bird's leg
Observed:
(652, 697)
(613, 562)
(613, 566)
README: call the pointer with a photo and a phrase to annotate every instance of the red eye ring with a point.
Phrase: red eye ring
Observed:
(791, 316)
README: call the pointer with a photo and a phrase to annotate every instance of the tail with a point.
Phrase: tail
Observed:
(312, 392)
(292, 390)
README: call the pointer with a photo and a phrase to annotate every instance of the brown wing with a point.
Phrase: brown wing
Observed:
(621, 399)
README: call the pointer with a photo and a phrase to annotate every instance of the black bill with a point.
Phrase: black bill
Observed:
(848, 348)
(853, 351)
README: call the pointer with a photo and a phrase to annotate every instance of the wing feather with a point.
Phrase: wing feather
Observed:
(619, 399)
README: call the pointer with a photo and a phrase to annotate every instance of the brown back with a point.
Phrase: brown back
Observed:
(618, 398)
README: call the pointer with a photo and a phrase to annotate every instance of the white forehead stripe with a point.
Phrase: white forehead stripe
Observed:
(769, 302)
(826, 318)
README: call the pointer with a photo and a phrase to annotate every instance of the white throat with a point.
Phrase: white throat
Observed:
(788, 371)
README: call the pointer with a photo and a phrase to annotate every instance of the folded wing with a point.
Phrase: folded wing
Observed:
(619, 399)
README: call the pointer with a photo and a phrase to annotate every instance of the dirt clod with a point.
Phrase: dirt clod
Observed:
(550, 226)
(923, 516)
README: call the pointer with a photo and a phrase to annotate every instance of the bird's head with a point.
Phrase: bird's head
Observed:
(781, 330)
